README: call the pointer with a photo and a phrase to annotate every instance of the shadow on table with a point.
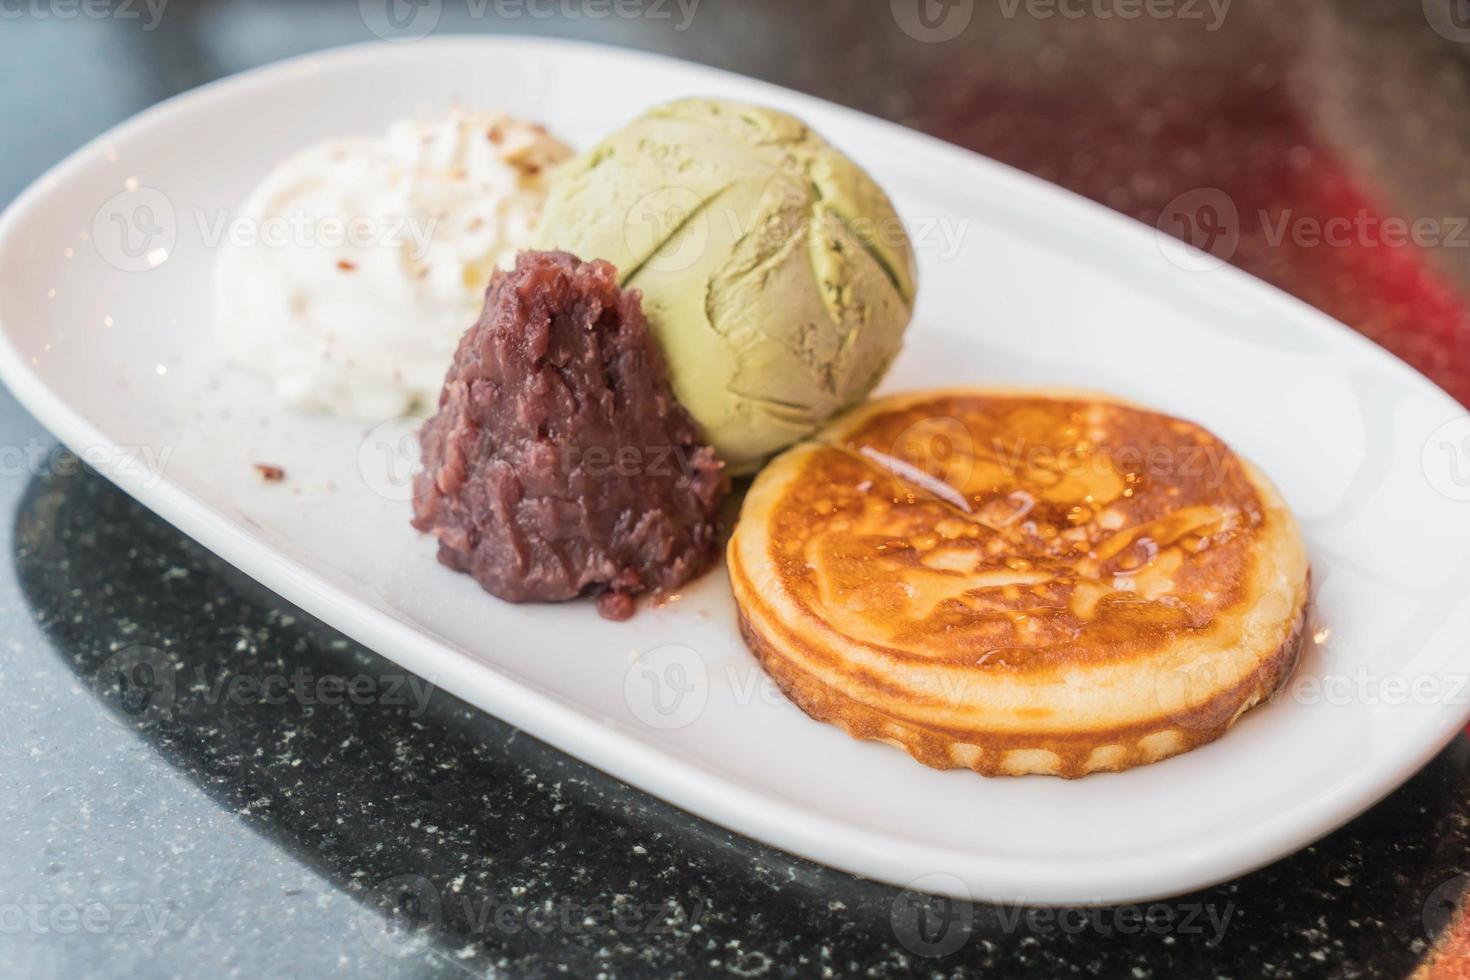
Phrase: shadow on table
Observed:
(469, 843)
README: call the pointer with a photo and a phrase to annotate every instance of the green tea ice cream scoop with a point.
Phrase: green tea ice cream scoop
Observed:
(776, 275)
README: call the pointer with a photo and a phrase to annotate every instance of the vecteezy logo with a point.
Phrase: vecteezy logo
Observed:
(1446, 459)
(401, 916)
(137, 685)
(1200, 229)
(1442, 904)
(388, 458)
(400, 21)
(929, 924)
(136, 230)
(1450, 19)
(667, 230)
(933, 21)
(667, 687)
(1179, 692)
(939, 448)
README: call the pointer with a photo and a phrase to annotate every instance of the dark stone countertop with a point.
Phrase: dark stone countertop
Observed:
(229, 836)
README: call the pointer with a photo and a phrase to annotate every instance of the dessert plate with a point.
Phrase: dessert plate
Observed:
(105, 312)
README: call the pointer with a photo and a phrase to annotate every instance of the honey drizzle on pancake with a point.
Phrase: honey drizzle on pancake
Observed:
(1079, 531)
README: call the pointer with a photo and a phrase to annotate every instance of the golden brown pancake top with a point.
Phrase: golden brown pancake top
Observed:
(1018, 534)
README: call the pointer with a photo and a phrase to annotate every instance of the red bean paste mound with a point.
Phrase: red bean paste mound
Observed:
(560, 464)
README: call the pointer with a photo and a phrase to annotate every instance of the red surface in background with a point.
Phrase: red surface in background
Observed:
(1136, 149)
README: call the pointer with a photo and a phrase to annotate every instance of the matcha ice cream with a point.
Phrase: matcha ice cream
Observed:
(775, 273)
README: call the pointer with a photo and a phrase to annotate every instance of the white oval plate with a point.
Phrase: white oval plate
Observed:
(1021, 282)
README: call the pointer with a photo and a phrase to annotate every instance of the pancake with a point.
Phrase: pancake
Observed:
(1030, 581)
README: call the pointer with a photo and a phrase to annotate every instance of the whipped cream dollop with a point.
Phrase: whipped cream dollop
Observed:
(350, 274)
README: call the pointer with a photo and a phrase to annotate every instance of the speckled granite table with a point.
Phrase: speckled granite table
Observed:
(364, 825)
